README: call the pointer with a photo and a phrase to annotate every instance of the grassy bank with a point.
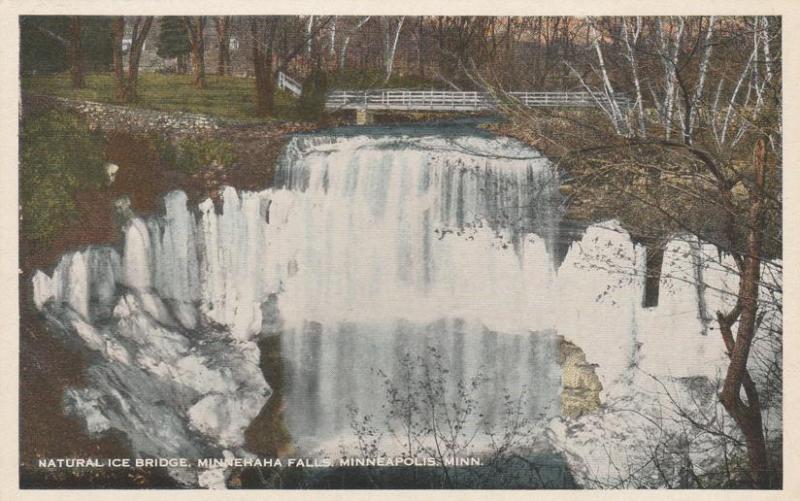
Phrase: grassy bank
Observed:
(59, 158)
(224, 97)
(230, 98)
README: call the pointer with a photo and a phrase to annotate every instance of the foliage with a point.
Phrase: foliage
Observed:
(39, 53)
(42, 52)
(96, 42)
(193, 154)
(173, 39)
(311, 104)
(59, 156)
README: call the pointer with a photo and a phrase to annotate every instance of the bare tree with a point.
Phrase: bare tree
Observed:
(391, 35)
(223, 28)
(196, 27)
(263, 31)
(631, 37)
(125, 87)
(431, 413)
(670, 39)
(269, 59)
(718, 181)
(692, 103)
(332, 38)
(346, 42)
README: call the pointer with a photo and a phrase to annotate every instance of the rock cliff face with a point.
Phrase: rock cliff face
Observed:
(580, 386)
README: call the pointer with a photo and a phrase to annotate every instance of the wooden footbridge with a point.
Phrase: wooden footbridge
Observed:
(364, 102)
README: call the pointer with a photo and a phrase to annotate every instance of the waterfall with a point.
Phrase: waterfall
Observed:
(137, 256)
(370, 249)
(420, 229)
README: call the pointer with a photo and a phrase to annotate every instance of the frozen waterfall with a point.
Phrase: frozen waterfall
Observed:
(370, 247)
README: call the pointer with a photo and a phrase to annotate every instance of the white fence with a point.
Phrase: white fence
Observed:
(285, 82)
(410, 100)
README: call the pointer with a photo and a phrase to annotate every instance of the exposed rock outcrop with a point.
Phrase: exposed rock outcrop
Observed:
(110, 117)
(580, 386)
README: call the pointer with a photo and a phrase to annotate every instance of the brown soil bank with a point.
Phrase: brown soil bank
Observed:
(147, 172)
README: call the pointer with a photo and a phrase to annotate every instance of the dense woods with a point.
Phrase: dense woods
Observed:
(670, 65)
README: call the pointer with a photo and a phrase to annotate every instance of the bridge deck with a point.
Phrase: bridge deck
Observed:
(409, 100)
(435, 100)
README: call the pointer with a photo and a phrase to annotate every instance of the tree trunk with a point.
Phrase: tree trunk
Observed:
(620, 122)
(138, 37)
(332, 41)
(118, 30)
(346, 43)
(125, 83)
(691, 114)
(262, 66)
(223, 25)
(630, 44)
(747, 415)
(195, 26)
(309, 28)
(669, 54)
(75, 53)
(391, 48)
(420, 34)
(182, 66)
(654, 259)
(509, 49)
(265, 86)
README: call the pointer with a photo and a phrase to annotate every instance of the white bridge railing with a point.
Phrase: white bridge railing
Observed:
(411, 100)
(285, 82)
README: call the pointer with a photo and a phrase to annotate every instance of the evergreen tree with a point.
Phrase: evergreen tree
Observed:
(44, 42)
(311, 104)
(97, 42)
(173, 41)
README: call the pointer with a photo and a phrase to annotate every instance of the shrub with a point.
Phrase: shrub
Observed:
(59, 155)
(311, 104)
(193, 154)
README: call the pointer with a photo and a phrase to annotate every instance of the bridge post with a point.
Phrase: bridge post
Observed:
(363, 116)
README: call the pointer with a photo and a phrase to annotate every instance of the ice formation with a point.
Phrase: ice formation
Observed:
(372, 245)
